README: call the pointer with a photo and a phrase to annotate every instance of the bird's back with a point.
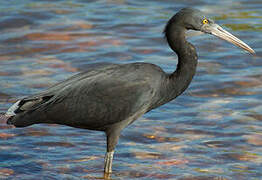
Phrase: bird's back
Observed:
(94, 99)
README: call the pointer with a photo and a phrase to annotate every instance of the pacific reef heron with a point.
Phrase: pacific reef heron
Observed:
(111, 96)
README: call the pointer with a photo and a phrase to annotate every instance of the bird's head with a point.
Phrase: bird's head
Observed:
(193, 19)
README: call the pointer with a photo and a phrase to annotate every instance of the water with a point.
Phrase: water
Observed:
(212, 131)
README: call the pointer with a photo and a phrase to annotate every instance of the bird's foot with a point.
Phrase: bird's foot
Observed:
(107, 176)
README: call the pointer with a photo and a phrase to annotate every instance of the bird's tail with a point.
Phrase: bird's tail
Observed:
(8, 116)
(19, 120)
(4, 118)
(8, 119)
(16, 119)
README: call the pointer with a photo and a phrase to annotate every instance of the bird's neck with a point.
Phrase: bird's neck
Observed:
(180, 79)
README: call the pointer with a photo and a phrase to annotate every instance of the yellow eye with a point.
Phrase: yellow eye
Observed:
(205, 21)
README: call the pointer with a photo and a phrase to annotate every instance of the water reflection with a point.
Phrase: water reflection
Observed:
(213, 131)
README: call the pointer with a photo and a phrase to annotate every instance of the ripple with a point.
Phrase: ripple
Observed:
(212, 131)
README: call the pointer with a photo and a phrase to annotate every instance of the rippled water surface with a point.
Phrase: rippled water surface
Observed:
(212, 131)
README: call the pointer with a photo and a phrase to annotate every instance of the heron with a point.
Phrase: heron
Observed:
(109, 97)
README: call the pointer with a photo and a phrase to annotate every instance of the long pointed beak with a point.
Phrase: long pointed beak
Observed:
(225, 35)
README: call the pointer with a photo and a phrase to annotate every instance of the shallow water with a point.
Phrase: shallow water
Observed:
(212, 131)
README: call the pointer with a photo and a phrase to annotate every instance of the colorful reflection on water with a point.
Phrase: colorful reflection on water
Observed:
(212, 131)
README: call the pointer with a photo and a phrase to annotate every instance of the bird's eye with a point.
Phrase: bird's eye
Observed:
(205, 21)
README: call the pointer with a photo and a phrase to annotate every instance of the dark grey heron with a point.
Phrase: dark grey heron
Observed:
(109, 97)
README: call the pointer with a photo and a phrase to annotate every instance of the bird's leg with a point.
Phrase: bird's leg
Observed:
(112, 139)
(108, 162)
